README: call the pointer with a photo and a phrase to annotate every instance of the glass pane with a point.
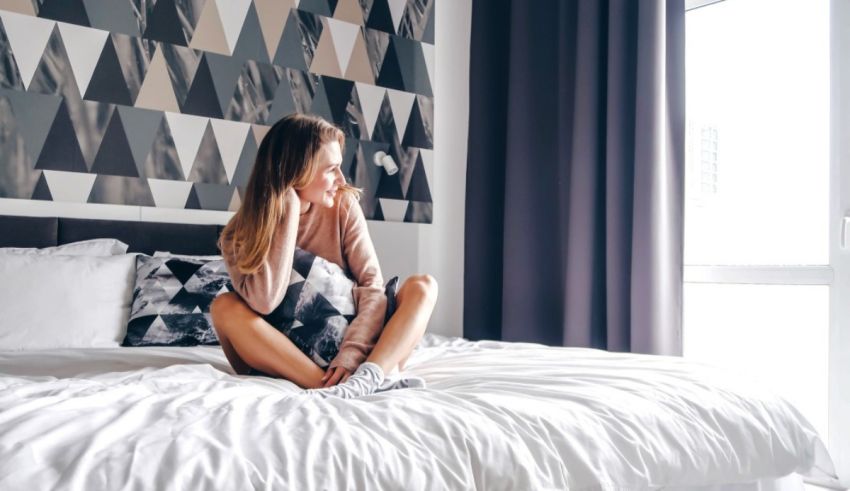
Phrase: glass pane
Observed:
(757, 176)
(778, 334)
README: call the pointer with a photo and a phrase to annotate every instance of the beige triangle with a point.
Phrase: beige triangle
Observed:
(273, 15)
(157, 91)
(19, 6)
(209, 34)
(349, 11)
(359, 69)
(259, 132)
(235, 202)
(325, 61)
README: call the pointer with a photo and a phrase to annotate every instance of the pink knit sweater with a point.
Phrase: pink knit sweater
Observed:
(338, 234)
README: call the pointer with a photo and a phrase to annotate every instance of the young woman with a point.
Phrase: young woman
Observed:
(297, 196)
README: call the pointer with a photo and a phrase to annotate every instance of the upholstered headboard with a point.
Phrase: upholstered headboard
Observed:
(145, 237)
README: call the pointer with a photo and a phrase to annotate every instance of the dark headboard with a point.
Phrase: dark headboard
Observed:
(145, 237)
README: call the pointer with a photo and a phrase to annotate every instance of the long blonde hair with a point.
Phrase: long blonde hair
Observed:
(286, 158)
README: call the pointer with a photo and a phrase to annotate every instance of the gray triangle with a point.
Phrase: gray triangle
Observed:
(225, 71)
(112, 16)
(290, 52)
(162, 161)
(140, 126)
(213, 196)
(246, 163)
(120, 190)
(34, 113)
(17, 177)
(283, 103)
(250, 44)
(10, 76)
(321, 106)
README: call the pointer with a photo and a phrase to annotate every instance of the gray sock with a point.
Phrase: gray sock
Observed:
(402, 382)
(366, 380)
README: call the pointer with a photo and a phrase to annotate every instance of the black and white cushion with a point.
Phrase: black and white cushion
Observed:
(317, 308)
(171, 301)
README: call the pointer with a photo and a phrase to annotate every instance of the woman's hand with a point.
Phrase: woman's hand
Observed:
(336, 375)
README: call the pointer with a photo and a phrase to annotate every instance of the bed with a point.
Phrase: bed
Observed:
(495, 415)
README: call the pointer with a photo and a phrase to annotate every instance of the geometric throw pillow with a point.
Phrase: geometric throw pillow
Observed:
(171, 301)
(317, 307)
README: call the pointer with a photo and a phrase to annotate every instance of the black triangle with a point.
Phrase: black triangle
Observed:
(114, 156)
(416, 135)
(319, 7)
(339, 94)
(390, 75)
(303, 261)
(137, 328)
(202, 99)
(419, 189)
(192, 202)
(42, 190)
(163, 24)
(187, 301)
(312, 313)
(183, 270)
(70, 11)
(107, 82)
(61, 150)
(379, 212)
(380, 17)
(389, 187)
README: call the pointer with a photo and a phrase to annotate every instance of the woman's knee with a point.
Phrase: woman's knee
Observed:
(222, 307)
(422, 285)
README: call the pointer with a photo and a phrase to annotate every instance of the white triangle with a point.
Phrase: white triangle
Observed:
(401, 104)
(371, 98)
(428, 53)
(69, 186)
(83, 46)
(394, 209)
(172, 289)
(232, 14)
(428, 163)
(343, 35)
(197, 310)
(28, 37)
(170, 194)
(187, 131)
(397, 11)
(230, 136)
(223, 290)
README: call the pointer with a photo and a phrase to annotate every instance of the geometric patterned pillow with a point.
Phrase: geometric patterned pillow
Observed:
(171, 301)
(317, 307)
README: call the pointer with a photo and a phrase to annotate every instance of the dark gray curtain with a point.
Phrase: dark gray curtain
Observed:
(575, 175)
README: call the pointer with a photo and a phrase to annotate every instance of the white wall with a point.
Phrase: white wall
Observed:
(437, 248)
(403, 248)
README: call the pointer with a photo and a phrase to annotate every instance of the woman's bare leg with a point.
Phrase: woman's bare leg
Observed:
(416, 299)
(249, 341)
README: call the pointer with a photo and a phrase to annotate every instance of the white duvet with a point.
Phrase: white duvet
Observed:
(494, 416)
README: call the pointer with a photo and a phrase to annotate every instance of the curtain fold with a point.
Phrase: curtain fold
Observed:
(575, 175)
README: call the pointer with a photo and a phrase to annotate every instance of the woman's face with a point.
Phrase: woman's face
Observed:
(322, 190)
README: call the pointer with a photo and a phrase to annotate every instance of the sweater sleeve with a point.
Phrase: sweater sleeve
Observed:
(369, 298)
(264, 289)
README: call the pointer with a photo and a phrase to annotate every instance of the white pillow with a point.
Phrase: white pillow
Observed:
(91, 247)
(57, 301)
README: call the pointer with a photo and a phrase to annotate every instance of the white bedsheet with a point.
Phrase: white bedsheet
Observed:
(494, 416)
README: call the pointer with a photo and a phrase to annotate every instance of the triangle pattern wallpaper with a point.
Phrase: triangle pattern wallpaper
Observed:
(163, 102)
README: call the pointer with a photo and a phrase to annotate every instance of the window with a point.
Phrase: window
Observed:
(759, 279)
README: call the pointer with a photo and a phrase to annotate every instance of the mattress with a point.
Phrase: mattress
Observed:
(495, 415)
